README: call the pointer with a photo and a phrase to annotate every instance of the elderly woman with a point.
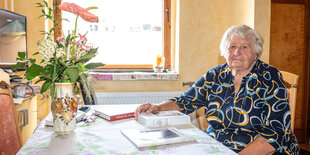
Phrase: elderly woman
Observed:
(245, 99)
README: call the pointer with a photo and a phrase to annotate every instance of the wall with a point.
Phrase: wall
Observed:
(201, 26)
(262, 24)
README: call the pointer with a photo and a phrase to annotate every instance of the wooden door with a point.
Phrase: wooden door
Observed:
(288, 52)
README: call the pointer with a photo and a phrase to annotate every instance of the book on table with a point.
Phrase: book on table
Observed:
(154, 137)
(163, 119)
(115, 112)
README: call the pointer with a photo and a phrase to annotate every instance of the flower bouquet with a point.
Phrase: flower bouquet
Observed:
(64, 64)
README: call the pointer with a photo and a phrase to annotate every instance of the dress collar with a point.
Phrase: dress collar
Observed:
(254, 69)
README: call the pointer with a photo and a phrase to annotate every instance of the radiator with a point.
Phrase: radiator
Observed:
(134, 97)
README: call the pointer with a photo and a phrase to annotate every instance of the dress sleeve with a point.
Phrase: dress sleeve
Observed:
(195, 97)
(277, 125)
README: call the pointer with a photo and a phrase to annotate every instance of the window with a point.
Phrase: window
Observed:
(130, 33)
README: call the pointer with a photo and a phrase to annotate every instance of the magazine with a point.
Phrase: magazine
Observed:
(154, 137)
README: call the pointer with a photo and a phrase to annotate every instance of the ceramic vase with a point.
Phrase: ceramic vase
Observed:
(64, 108)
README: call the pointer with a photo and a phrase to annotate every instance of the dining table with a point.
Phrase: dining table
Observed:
(100, 136)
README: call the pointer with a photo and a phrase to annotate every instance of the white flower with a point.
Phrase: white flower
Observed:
(47, 49)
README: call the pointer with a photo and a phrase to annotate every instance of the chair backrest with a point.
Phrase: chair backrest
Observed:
(9, 141)
(291, 81)
(200, 119)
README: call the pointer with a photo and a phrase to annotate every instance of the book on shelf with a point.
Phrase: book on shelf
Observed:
(154, 137)
(115, 112)
(163, 119)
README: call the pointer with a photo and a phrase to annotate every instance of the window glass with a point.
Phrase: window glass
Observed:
(128, 32)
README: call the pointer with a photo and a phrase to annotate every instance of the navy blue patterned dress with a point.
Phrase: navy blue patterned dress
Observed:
(260, 108)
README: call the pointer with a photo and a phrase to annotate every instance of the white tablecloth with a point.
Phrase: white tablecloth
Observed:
(104, 137)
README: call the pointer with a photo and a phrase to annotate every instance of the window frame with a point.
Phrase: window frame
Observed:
(167, 39)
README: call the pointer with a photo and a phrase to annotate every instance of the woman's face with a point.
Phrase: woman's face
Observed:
(241, 55)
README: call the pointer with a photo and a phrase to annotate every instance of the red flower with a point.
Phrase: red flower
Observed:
(75, 9)
(82, 38)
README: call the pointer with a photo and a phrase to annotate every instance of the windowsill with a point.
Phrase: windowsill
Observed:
(110, 76)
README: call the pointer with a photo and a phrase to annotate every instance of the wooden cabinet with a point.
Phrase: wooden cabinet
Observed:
(43, 106)
(29, 114)
(26, 118)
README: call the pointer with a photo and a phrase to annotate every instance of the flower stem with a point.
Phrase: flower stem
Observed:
(74, 34)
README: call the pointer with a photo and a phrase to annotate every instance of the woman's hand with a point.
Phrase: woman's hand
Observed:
(150, 108)
(259, 146)
(147, 108)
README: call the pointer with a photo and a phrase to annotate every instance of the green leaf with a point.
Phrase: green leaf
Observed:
(36, 53)
(32, 60)
(50, 11)
(19, 59)
(46, 4)
(49, 17)
(46, 86)
(49, 69)
(73, 73)
(39, 5)
(94, 65)
(62, 63)
(33, 71)
(52, 91)
(52, 29)
(68, 38)
(39, 81)
(87, 56)
(22, 55)
(54, 4)
(93, 50)
(18, 65)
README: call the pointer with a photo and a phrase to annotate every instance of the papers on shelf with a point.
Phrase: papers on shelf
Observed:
(153, 137)
(18, 100)
(163, 119)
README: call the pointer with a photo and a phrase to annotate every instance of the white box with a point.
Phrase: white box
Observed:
(163, 119)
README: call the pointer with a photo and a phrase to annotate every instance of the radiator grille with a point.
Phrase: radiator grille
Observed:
(134, 97)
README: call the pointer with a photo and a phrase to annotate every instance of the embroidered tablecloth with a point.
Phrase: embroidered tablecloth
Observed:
(104, 137)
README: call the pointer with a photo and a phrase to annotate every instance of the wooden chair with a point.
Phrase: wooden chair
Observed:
(201, 120)
(9, 141)
(291, 81)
